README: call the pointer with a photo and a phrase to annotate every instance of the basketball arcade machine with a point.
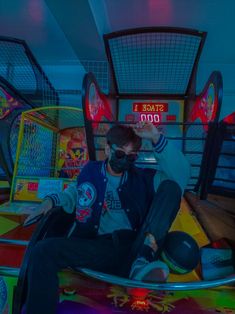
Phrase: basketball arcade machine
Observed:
(42, 166)
(154, 72)
(23, 85)
(50, 154)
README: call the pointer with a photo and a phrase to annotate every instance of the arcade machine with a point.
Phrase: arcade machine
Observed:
(88, 291)
(154, 75)
(153, 72)
(51, 151)
(23, 85)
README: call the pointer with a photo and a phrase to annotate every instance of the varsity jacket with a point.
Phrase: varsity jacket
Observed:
(136, 189)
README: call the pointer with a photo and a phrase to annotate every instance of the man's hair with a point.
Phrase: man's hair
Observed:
(122, 135)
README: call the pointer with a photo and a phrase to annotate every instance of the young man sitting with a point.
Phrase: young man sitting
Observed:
(123, 214)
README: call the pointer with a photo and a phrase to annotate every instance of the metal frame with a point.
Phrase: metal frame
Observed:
(173, 286)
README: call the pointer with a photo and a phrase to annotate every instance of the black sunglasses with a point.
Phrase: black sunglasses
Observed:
(120, 154)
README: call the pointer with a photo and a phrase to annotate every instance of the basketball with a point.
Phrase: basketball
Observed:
(180, 252)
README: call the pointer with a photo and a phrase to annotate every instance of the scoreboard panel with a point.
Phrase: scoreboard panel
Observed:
(156, 111)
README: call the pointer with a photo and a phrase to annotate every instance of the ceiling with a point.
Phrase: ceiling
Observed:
(85, 21)
(67, 31)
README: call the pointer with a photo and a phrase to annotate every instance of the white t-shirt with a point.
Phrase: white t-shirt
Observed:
(113, 216)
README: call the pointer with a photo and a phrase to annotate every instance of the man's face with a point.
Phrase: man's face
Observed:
(121, 158)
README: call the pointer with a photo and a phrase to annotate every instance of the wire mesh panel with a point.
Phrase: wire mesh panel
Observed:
(14, 132)
(39, 138)
(21, 70)
(51, 151)
(58, 118)
(225, 170)
(70, 97)
(153, 62)
(16, 68)
(101, 72)
(194, 147)
(99, 133)
(11, 107)
(36, 150)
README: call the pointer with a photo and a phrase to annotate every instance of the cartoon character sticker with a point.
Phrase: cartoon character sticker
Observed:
(73, 153)
(86, 198)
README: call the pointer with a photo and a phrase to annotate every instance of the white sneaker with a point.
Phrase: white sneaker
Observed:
(144, 270)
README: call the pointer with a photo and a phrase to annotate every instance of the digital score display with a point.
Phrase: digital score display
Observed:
(150, 111)
(152, 117)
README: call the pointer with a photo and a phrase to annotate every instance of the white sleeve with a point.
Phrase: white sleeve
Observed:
(173, 164)
(67, 199)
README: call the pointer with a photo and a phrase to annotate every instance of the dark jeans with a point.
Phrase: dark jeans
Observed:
(105, 253)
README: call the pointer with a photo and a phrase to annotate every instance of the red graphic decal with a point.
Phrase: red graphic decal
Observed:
(83, 214)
